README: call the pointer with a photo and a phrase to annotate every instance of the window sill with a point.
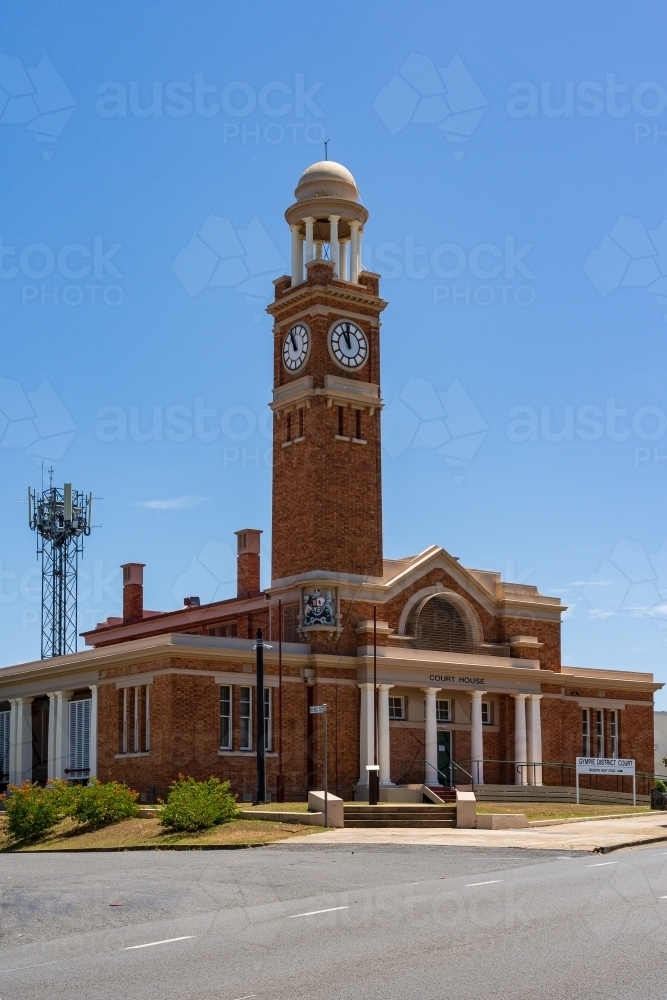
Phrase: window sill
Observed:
(244, 753)
(133, 753)
(340, 437)
(298, 440)
(359, 441)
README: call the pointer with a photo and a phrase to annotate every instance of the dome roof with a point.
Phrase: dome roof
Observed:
(326, 179)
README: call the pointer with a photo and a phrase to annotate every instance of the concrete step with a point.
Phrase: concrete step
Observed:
(400, 815)
(376, 823)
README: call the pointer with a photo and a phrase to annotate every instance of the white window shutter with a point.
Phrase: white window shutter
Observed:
(79, 738)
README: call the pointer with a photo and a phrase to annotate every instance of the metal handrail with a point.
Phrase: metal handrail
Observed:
(408, 763)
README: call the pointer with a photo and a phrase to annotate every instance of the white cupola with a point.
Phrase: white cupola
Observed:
(327, 219)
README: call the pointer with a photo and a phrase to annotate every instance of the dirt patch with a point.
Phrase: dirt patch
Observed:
(133, 833)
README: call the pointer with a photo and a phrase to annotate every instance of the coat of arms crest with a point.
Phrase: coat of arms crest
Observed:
(318, 608)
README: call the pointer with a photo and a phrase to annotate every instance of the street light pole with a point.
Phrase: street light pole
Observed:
(261, 744)
(281, 780)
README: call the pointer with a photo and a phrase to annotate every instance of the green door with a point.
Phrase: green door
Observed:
(445, 758)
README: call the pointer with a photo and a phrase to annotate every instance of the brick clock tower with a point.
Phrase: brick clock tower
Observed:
(327, 500)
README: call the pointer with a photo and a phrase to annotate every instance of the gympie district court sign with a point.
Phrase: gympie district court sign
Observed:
(607, 765)
(604, 765)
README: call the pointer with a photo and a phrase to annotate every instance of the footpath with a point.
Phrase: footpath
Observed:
(598, 835)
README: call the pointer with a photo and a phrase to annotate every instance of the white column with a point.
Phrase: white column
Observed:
(534, 739)
(92, 748)
(333, 243)
(297, 254)
(319, 255)
(53, 715)
(310, 222)
(431, 738)
(62, 733)
(384, 746)
(342, 257)
(520, 746)
(476, 737)
(354, 251)
(366, 724)
(20, 740)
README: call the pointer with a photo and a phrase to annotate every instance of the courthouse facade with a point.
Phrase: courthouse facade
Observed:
(470, 683)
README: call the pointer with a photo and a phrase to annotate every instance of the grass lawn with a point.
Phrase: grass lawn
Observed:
(288, 807)
(148, 833)
(559, 810)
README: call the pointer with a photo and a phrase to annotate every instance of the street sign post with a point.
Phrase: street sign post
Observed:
(322, 710)
(607, 765)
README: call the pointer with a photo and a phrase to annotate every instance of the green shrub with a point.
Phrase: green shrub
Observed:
(660, 785)
(64, 797)
(99, 804)
(197, 805)
(30, 812)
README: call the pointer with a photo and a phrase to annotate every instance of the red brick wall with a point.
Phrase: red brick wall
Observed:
(185, 731)
(327, 508)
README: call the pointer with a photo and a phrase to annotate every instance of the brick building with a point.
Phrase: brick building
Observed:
(470, 684)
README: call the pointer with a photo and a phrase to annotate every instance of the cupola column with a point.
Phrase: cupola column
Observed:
(297, 255)
(342, 258)
(318, 249)
(354, 251)
(333, 243)
(310, 222)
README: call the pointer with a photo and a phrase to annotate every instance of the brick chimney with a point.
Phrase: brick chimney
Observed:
(133, 592)
(247, 571)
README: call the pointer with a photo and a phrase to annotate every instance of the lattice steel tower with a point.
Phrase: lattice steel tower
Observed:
(61, 518)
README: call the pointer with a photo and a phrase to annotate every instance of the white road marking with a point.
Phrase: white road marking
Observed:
(311, 913)
(151, 944)
(600, 864)
(18, 968)
(490, 882)
(247, 997)
(663, 897)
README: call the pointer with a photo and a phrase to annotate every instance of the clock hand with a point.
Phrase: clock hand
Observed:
(346, 334)
(293, 338)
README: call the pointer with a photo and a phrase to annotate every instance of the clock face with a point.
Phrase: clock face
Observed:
(295, 347)
(348, 344)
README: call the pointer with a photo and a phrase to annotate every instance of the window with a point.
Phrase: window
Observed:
(135, 719)
(268, 728)
(246, 719)
(395, 708)
(341, 422)
(357, 424)
(225, 718)
(223, 631)
(443, 711)
(79, 738)
(585, 734)
(301, 421)
(487, 714)
(288, 426)
(599, 732)
(4, 745)
(434, 623)
(613, 733)
(147, 744)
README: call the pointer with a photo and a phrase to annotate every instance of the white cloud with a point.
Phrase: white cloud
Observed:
(176, 503)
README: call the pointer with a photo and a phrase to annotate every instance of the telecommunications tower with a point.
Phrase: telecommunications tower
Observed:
(61, 518)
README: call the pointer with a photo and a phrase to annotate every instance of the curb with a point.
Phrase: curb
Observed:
(158, 847)
(629, 843)
(536, 823)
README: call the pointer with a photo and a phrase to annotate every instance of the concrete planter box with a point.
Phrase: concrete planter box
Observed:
(501, 821)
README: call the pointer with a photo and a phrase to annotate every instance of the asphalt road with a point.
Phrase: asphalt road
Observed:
(295, 921)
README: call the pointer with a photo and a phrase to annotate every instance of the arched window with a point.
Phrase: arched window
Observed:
(434, 623)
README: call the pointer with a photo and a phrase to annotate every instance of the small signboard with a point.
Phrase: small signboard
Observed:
(609, 766)
(604, 765)
(318, 709)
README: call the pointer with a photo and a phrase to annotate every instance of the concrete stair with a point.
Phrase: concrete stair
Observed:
(391, 814)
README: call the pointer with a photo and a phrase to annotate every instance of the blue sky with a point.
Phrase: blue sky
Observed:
(513, 162)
